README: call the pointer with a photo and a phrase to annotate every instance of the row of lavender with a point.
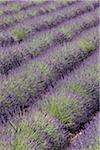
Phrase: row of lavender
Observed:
(14, 56)
(32, 26)
(31, 12)
(31, 82)
(61, 113)
(13, 7)
(58, 90)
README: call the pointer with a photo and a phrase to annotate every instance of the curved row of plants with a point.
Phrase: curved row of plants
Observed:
(32, 26)
(13, 7)
(61, 114)
(15, 56)
(29, 85)
(10, 20)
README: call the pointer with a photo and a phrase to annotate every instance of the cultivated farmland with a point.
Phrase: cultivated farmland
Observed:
(49, 75)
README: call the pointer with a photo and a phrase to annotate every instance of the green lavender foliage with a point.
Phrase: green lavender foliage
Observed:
(15, 7)
(87, 45)
(62, 108)
(19, 33)
(29, 132)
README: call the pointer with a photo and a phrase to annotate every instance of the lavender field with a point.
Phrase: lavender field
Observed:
(49, 75)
